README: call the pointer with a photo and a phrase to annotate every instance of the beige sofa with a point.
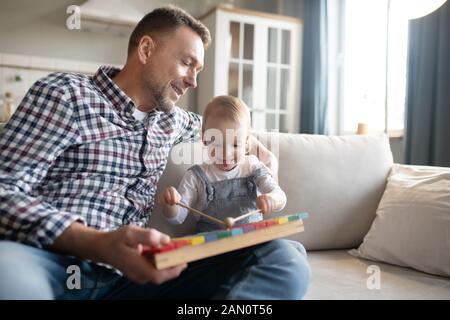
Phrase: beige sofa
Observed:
(339, 181)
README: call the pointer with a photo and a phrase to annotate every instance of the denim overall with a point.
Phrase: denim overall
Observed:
(228, 198)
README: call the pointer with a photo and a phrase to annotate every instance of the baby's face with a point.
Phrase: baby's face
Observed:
(226, 141)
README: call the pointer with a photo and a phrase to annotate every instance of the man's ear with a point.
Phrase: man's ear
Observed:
(145, 48)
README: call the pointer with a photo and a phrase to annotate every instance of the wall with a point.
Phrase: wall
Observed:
(39, 28)
(293, 8)
(398, 149)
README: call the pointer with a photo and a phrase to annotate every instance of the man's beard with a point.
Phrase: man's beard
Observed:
(160, 96)
(163, 103)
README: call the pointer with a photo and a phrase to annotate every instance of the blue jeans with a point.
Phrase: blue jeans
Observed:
(274, 270)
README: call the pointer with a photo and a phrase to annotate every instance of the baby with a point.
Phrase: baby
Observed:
(231, 183)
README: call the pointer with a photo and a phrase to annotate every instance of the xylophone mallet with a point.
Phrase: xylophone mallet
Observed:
(201, 213)
(230, 222)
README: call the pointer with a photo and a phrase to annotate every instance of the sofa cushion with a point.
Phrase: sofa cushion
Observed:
(337, 275)
(412, 227)
(339, 181)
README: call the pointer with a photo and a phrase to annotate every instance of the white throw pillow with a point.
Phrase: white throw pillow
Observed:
(412, 226)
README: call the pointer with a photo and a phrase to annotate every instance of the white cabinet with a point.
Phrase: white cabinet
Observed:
(254, 56)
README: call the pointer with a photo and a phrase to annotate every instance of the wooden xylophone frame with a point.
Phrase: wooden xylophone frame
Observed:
(180, 251)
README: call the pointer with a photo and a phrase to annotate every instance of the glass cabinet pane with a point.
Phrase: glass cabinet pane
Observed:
(234, 39)
(271, 88)
(270, 121)
(233, 79)
(247, 84)
(248, 41)
(272, 45)
(283, 123)
(286, 47)
(258, 120)
(284, 88)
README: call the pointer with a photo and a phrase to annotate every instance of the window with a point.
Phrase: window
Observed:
(374, 48)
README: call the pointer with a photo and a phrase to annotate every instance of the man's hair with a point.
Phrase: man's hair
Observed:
(227, 107)
(166, 19)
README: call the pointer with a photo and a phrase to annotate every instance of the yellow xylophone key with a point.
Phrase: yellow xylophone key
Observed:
(283, 220)
(197, 240)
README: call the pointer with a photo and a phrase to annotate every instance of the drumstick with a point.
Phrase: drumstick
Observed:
(200, 213)
(231, 221)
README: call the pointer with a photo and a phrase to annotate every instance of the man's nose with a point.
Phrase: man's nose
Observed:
(191, 79)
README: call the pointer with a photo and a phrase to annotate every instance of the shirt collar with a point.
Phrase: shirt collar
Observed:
(103, 80)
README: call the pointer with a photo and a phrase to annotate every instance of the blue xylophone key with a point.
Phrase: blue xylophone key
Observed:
(236, 231)
(301, 215)
(210, 236)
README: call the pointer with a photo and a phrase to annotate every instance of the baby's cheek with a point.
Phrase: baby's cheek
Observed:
(239, 154)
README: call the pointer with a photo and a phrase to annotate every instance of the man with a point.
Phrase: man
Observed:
(79, 164)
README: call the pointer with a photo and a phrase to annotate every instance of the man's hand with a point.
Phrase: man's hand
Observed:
(123, 247)
(120, 248)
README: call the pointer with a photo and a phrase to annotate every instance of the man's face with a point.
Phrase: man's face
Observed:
(173, 67)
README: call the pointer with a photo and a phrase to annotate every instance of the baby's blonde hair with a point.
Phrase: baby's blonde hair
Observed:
(228, 107)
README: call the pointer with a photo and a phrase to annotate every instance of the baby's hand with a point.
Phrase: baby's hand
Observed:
(265, 203)
(170, 196)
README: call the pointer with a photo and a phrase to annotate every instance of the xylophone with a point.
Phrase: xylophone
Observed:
(208, 244)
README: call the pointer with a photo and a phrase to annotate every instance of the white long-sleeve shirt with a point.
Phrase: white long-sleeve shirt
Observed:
(190, 187)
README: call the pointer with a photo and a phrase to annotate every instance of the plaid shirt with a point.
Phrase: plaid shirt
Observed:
(74, 152)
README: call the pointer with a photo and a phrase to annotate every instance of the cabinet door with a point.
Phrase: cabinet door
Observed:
(280, 75)
(256, 60)
(241, 62)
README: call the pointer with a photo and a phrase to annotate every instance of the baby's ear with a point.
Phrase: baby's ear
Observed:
(247, 145)
(202, 137)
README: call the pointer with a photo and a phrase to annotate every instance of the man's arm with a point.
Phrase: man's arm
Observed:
(39, 131)
(264, 155)
(188, 124)
(43, 127)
